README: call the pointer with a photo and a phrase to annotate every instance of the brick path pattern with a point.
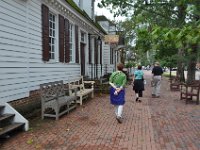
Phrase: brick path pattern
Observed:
(164, 123)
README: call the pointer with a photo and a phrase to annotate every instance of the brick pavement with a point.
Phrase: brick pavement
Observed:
(164, 123)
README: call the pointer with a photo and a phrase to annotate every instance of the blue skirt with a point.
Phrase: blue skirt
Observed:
(118, 99)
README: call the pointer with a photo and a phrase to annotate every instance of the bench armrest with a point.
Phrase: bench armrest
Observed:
(90, 82)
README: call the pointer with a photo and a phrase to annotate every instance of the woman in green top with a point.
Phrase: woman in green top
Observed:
(117, 92)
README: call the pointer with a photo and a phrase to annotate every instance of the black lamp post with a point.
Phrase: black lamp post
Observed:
(99, 40)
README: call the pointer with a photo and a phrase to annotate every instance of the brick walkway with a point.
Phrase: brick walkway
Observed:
(164, 123)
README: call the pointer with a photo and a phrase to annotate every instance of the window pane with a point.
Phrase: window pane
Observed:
(53, 56)
(53, 49)
(52, 35)
(82, 37)
(50, 32)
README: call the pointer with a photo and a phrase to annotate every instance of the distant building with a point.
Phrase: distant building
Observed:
(113, 52)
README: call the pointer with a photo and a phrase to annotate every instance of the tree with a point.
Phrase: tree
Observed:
(160, 26)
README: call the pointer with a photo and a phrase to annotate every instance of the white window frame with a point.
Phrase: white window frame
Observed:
(72, 42)
(55, 28)
(83, 37)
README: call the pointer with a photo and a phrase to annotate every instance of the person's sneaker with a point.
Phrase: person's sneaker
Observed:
(139, 101)
(119, 119)
(136, 99)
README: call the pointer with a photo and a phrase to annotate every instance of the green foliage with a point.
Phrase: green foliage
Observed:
(161, 27)
(130, 64)
(164, 16)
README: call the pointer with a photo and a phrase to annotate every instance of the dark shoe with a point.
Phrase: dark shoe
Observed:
(119, 119)
(157, 96)
(136, 99)
(139, 101)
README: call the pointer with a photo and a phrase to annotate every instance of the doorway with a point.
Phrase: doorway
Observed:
(82, 59)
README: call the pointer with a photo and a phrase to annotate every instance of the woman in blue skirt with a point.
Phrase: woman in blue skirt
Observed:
(117, 91)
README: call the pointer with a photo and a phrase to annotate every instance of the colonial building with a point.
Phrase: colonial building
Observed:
(43, 41)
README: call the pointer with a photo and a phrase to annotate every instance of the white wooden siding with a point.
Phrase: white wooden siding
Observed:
(21, 65)
(106, 54)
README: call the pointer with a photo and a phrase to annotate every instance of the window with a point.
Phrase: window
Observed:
(82, 37)
(52, 36)
(71, 42)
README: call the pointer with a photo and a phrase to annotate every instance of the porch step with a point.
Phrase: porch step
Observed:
(6, 116)
(9, 128)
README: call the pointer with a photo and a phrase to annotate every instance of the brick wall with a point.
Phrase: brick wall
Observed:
(28, 107)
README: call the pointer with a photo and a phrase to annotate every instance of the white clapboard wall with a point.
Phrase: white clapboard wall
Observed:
(21, 65)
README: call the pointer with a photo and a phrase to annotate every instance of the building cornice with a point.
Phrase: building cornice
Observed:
(67, 11)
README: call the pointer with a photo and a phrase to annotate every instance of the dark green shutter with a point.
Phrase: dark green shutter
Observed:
(77, 43)
(61, 38)
(45, 33)
(89, 49)
(95, 51)
(67, 46)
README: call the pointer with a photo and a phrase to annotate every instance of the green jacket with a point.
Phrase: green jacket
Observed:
(118, 78)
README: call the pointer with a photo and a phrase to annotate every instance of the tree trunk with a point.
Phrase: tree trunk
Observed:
(181, 22)
(192, 65)
(180, 66)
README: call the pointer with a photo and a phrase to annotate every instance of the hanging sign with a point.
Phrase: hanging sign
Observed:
(111, 38)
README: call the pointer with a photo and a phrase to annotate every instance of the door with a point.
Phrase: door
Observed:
(82, 59)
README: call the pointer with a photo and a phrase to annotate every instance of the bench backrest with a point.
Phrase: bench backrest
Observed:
(51, 89)
(78, 81)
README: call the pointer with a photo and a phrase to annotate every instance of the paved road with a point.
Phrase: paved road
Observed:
(164, 123)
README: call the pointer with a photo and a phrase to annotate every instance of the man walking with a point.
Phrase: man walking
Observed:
(156, 79)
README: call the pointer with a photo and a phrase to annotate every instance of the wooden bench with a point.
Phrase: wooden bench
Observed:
(85, 89)
(53, 97)
(175, 84)
(190, 91)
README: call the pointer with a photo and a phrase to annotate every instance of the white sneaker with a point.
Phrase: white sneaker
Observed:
(119, 119)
